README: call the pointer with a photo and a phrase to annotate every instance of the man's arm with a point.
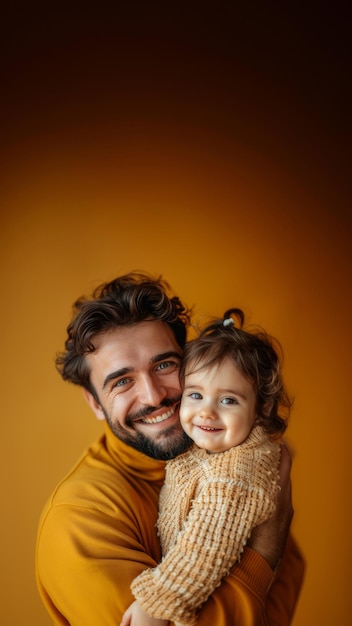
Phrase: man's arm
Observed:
(283, 593)
(288, 564)
(86, 561)
(269, 539)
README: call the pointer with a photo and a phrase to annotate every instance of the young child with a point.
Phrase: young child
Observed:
(234, 407)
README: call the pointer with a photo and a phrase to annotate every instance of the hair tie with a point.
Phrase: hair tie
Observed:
(228, 322)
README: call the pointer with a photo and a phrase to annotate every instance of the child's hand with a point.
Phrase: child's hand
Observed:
(136, 616)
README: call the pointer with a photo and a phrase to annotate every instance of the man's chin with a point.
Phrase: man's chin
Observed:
(163, 446)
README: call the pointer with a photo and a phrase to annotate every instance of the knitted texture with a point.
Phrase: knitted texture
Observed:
(208, 507)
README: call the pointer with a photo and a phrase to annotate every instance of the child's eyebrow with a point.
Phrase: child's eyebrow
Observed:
(198, 387)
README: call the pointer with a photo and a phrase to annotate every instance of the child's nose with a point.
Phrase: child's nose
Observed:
(208, 410)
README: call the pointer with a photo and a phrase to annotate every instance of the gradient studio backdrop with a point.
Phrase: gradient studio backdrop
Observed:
(208, 148)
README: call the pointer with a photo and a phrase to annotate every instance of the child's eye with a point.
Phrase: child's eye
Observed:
(195, 395)
(229, 401)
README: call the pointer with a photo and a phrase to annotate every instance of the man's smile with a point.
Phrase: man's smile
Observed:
(159, 418)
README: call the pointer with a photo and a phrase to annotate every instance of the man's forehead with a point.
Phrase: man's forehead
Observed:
(146, 337)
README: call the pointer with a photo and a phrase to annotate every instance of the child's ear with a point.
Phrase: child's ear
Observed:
(94, 404)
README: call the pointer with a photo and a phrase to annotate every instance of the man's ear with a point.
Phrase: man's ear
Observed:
(94, 404)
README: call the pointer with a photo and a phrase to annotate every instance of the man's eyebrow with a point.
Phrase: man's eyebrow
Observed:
(127, 370)
(165, 355)
(121, 372)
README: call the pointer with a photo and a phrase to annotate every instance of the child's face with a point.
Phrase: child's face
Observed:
(218, 407)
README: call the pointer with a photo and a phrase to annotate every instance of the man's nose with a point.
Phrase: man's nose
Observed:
(151, 391)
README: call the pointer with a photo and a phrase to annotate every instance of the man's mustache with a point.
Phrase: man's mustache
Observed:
(147, 410)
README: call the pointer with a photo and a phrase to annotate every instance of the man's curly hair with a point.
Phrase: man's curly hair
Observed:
(124, 301)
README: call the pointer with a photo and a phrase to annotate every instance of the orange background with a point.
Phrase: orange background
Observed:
(208, 148)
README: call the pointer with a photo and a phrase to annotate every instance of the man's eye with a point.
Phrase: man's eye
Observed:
(121, 382)
(166, 365)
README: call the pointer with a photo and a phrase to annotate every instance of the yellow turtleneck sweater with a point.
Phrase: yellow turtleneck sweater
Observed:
(98, 533)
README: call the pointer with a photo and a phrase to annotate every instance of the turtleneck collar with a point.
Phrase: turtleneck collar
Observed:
(131, 461)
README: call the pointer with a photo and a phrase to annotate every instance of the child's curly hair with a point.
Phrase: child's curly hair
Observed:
(254, 354)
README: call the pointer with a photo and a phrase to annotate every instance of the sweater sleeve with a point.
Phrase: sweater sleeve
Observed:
(282, 596)
(253, 595)
(213, 537)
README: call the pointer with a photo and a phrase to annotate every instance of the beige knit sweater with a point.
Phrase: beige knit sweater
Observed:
(208, 507)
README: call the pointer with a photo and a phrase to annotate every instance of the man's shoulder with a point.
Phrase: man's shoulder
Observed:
(110, 479)
(93, 481)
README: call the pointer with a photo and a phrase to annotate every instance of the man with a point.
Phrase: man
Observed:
(97, 532)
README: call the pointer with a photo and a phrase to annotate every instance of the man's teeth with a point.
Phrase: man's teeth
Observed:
(159, 418)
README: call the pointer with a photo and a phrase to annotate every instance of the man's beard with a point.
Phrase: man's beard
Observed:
(163, 446)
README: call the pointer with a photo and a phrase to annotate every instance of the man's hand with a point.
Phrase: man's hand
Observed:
(269, 538)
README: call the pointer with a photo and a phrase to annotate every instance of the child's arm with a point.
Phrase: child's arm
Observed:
(136, 616)
(215, 532)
